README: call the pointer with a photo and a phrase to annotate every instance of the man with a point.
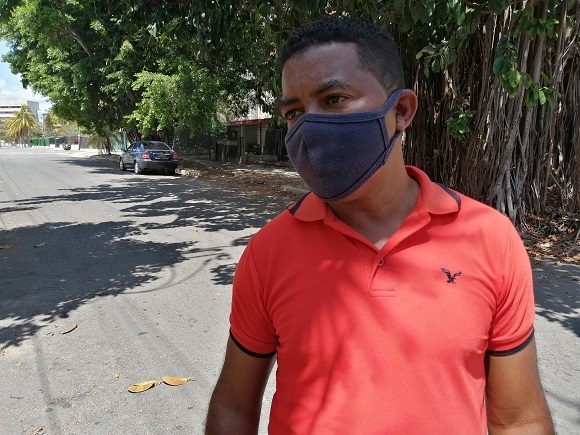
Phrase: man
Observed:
(392, 304)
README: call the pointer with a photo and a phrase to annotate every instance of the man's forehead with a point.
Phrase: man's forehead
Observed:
(326, 64)
(316, 52)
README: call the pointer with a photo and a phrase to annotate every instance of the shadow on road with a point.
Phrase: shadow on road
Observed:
(173, 200)
(77, 262)
(557, 290)
(72, 264)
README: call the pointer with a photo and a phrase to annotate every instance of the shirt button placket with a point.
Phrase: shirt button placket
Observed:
(384, 280)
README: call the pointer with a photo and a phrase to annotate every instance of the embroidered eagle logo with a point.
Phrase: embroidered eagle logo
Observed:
(450, 277)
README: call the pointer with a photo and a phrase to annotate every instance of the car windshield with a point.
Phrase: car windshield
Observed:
(155, 146)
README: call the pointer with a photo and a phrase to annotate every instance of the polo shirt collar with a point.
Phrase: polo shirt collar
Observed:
(433, 197)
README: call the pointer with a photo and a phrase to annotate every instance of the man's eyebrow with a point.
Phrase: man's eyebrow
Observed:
(321, 88)
(333, 83)
(287, 102)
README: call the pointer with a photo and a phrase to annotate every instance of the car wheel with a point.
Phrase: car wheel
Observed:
(136, 167)
(122, 165)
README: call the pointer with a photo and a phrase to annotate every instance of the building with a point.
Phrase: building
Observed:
(9, 107)
(250, 139)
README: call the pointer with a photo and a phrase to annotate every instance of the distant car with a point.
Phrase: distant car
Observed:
(148, 155)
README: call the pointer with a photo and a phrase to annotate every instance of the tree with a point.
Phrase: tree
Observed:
(56, 126)
(497, 79)
(186, 100)
(21, 123)
(87, 56)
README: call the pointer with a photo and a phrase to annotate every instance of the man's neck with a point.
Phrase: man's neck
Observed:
(382, 208)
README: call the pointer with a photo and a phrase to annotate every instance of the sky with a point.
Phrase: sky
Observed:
(11, 87)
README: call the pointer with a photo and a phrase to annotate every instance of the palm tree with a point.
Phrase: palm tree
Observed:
(21, 123)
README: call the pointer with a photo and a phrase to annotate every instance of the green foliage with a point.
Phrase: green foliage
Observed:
(540, 93)
(111, 65)
(57, 126)
(505, 66)
(526, 22)
(458, 122)
(187, 99)
(498, 6)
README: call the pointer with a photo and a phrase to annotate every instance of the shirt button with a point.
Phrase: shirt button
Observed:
(381, 262)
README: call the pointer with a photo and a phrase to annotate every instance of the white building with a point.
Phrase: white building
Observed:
(9, 107)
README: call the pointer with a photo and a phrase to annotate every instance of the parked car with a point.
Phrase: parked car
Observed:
(148, 155)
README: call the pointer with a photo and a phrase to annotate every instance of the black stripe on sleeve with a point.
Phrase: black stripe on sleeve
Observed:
(298, 203)
(248, 351)
(512, 351)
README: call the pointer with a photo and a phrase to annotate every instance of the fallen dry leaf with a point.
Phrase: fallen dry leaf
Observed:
(18, 364)
(143, 386)
(38, 431)
(116, 375)
(170, 380)
(70, 328)
(5, 246)
(40, 245)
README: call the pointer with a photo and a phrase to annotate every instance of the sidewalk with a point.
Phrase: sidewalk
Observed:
(557, 325)
(272, 179)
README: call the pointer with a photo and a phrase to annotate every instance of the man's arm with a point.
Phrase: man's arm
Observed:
(515, 399)
(237, 398)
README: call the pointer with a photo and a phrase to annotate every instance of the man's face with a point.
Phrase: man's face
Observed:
(328, 79)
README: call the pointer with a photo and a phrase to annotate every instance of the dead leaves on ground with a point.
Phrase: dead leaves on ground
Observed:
(147, 385)
(70, 328)
(143, 386)
(170, 380)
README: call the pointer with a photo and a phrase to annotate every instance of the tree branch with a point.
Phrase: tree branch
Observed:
(77, 38)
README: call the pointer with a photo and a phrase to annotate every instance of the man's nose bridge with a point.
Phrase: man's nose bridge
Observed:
(313, 107)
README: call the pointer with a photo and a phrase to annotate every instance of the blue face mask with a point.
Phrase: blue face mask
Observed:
(337, 154)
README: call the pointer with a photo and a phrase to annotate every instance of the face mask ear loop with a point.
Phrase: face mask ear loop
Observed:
(390, 104)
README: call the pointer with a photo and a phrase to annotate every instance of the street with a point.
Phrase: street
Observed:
(143, 265)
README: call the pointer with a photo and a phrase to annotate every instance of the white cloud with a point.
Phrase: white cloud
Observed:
(16, 91)
(2, 87)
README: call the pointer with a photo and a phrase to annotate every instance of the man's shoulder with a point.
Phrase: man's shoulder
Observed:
(475, 210)
(485, 223)
(278, 228)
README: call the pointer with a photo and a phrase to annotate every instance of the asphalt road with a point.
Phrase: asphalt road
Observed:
(143, 265)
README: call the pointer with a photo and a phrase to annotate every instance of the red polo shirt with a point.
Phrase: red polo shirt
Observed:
(387, 341)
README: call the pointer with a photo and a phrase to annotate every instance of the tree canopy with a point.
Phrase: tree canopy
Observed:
(497, 79)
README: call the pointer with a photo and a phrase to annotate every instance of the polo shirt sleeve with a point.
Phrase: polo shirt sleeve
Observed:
(512, 325)
(250, 326)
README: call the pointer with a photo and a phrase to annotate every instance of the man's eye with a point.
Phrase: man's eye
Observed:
(335, 99)
(291, 114)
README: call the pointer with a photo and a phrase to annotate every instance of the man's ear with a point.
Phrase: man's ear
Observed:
(405, 109)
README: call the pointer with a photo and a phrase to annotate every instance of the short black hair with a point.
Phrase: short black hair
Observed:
(377, 52)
